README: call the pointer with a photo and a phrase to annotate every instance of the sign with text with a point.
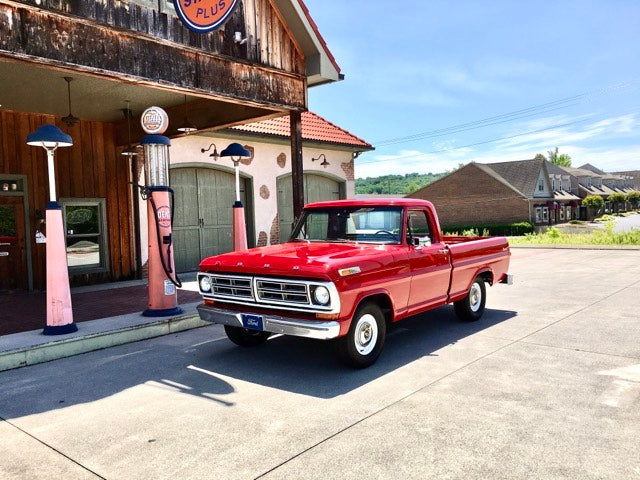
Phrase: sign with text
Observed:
(204, 15)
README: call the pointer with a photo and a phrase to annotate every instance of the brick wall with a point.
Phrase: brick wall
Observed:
(469, 195)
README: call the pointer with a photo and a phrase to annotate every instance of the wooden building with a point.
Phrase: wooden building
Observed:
(258, 66)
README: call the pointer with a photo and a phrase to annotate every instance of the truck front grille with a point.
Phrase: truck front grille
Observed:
(282, 292)
(232, 287)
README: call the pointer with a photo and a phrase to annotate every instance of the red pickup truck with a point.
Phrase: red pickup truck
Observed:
(350, 268)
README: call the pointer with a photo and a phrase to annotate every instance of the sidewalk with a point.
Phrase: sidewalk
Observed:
(106, 314)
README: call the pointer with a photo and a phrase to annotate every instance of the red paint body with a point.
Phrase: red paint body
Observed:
(414, 279)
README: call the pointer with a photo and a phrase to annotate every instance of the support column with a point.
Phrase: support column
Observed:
(297, 177)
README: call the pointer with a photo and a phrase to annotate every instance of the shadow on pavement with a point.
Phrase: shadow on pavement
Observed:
(291, 364)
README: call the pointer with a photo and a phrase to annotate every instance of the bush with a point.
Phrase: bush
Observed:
(493, 229)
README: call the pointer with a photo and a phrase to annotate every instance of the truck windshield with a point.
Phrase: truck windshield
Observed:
(355, 224)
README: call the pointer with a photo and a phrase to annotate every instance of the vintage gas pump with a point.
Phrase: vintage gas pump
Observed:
(163, 298)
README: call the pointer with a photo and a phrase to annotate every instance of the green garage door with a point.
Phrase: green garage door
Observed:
(316, 188)
(203, 219)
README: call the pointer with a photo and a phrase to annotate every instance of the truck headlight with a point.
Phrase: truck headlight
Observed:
(321, 295)
(205, 284)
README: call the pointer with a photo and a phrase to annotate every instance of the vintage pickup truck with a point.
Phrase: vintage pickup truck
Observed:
(350, 268)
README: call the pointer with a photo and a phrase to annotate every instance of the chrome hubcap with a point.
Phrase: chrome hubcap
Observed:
(475, 297)
(366, 334)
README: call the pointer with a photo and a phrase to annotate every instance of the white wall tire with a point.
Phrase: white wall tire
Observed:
(471, 307)
(362, 344)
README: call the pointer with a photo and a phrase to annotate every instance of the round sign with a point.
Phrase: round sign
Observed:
(164, 216)
(204, 15)
(154, 121)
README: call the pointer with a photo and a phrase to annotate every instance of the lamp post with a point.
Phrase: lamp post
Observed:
(59, 310)
(236, 152)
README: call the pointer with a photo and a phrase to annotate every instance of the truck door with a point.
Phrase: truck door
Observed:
(429, 261)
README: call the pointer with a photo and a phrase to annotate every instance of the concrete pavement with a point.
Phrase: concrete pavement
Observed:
(546, 385)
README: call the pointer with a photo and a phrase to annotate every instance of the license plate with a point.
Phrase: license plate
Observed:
(252, 322)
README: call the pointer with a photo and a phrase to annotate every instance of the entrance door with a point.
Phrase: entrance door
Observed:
(203, 219)
(13, 254)
(316, 189)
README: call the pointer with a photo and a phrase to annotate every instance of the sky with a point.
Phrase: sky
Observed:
(433, 84)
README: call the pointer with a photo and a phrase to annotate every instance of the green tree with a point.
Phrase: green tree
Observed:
(539, 156)
(559, 159)
(634, 199)
(616, 199)
(594, 201)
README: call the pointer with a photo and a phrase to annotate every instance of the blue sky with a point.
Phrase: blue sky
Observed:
(483, 81)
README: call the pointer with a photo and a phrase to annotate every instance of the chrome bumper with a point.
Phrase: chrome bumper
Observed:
(273, 323)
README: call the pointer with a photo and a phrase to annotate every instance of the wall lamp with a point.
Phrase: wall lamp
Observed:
(215, 154)
(324, 162)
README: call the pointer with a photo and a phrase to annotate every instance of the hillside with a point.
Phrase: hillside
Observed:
(395, 184)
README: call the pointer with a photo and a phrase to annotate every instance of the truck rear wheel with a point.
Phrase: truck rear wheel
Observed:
(244, 337)
(361, 346)
(471, 307)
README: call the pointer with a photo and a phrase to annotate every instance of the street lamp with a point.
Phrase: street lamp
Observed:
(236, 152)
(59, 310)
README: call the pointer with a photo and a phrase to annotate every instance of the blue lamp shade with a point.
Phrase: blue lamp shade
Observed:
(49, 136)
(235, 150)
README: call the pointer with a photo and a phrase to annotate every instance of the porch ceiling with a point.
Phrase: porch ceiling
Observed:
(27, 87)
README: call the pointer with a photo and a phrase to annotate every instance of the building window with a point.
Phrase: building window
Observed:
(545, 214)
(86, 234)
(541, 185)
(561, 213)
(538, 214)
(568, 213)
(588, 181)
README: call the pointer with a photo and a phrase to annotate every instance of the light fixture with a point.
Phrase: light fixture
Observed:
(59, 310)
(236, 152)
(237, 38)
(70, 120)
(324, 162)
(215, 154)
(187, 127)
(130, 151)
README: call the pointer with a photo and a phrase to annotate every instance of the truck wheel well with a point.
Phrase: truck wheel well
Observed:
(384, 302)
(487, 276)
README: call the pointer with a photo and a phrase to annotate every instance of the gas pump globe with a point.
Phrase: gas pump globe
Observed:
(163, 297)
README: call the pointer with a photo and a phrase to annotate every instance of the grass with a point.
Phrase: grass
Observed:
(553, 236)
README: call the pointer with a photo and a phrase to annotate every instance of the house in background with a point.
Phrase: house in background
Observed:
(505, 192)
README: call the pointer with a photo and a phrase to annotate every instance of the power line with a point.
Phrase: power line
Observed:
(507, 117)
(364, 162)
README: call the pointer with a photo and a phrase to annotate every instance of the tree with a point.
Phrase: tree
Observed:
(634, 199)
(559, 159)
(539, 156)
(616, 199)
(594, 201)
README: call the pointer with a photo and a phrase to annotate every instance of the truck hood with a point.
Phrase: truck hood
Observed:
(302, 259)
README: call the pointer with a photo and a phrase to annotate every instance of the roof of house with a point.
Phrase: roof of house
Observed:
(581, 172)
(520, 174)
(588, 166)
(314, 128)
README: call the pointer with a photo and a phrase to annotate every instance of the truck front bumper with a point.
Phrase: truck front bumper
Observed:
(273, 323)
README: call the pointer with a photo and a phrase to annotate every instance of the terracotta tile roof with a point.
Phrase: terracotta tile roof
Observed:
(314, 128)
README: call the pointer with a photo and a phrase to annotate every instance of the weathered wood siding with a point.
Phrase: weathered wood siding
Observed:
(91, 168)
(139, 42)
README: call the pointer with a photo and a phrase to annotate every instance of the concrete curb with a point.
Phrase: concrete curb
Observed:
(580, 247)
(54, 348)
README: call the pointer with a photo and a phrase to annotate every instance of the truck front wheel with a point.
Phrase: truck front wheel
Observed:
(361, 346)
(244, 337)
(471, 307)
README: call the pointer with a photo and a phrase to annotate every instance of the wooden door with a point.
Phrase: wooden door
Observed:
(186, 219)
(317, 188)
(13, 253)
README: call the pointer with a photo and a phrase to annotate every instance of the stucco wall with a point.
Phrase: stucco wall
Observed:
(270, 161)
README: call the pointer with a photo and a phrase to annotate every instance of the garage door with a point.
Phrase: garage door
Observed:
(203, 219)
(316, 189)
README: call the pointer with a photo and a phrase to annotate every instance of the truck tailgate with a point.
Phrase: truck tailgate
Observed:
(471, 256)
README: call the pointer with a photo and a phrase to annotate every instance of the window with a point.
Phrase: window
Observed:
(418, 225)
(561, 213)
(86, 234)
(538, 214)
(588, 181)
(545, 214)
(553, 185)
(568, 213)
(541, 185)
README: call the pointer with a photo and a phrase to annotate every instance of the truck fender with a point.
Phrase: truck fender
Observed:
(485, 272)
(381, 296)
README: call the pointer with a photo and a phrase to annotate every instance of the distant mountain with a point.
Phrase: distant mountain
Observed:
(395, 184)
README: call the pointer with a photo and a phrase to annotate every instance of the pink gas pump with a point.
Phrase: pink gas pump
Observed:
(163, 280)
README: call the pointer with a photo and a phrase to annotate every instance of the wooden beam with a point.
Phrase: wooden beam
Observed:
(297, 173)
(57, 40)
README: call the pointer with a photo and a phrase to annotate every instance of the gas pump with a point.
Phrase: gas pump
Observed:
(163, 297)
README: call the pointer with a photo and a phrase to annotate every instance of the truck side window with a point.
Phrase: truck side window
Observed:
(418, 225)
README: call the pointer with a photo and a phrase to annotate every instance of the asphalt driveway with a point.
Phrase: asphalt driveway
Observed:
(546, 385)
